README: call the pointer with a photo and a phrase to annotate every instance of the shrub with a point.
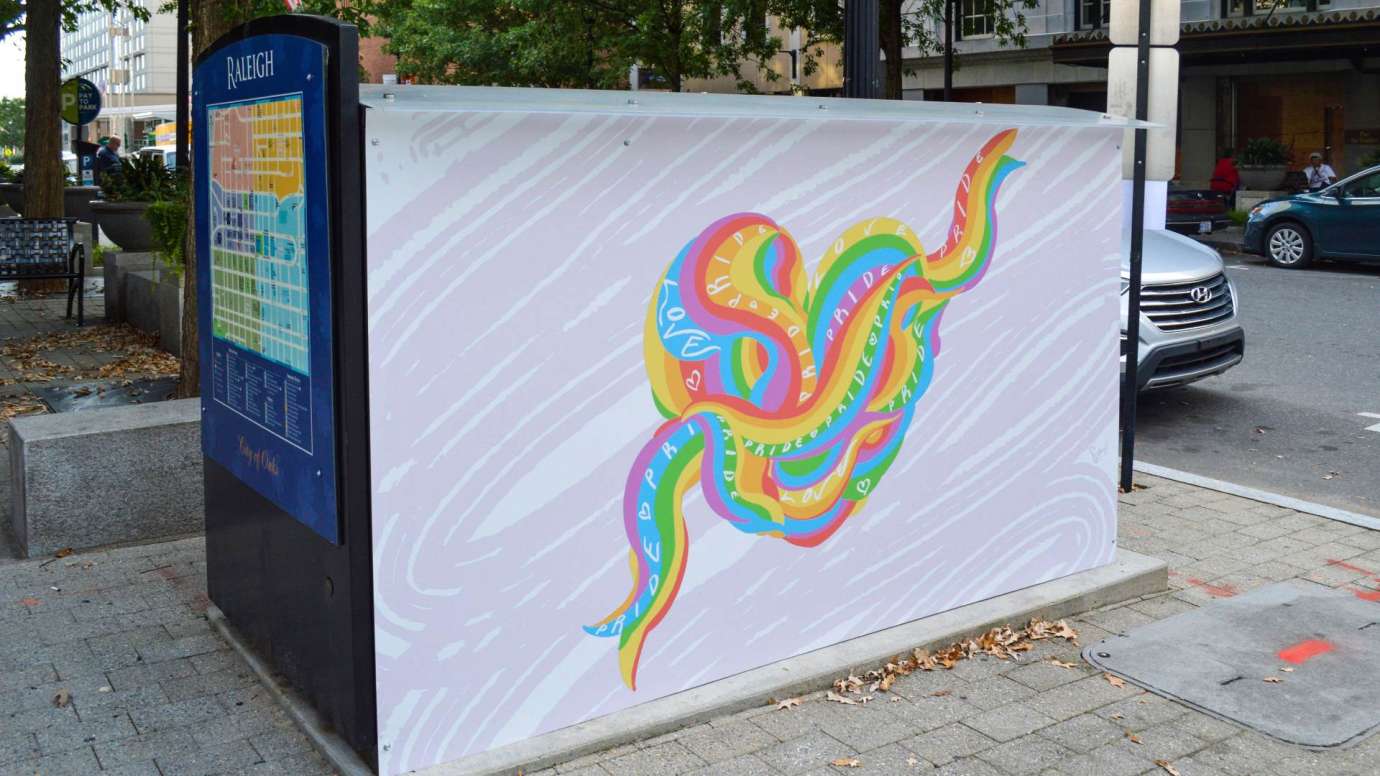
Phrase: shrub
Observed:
(1264, 152)
(168, 217)
(139, 179)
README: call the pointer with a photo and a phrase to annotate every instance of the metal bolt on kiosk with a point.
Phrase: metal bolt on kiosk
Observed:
(523, 407)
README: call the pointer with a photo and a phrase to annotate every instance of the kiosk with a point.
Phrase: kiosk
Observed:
(525, 406)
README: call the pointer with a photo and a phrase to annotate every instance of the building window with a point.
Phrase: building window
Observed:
(977, 19)
(1094, 14)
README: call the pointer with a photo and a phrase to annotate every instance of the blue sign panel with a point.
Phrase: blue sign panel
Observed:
(264, 272)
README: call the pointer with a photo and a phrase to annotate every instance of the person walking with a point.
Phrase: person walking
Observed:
(1226, 179)
(1319, 174)
(107, 161)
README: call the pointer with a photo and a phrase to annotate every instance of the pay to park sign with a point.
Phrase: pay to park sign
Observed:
(81, 101)
(264, 285)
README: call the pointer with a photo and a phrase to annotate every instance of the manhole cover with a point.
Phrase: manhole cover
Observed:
(1294, 660)
(90, 396)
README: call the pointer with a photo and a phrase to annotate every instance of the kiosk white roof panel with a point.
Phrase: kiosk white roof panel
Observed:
(646, 103)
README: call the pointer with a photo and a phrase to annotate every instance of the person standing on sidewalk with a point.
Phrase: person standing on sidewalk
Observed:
(1226, 179)
(107, 161)
(1319, 174)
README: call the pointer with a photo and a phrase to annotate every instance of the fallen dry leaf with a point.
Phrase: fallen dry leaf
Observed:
(1287, 670)
(1135, 739)
(835, 697)
(1273, 679)
(788, 703)
(1168, 767)
(912, 761)
(1062, 664)
(886, 682)
(847, 762)
(62, 553)
(940, 693)
(62, 698)
(1116, 716)
(1114, 681)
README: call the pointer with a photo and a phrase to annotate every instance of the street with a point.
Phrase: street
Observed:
(1288, 419)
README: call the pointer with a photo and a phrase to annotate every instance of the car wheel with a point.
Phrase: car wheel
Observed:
(1288, 245)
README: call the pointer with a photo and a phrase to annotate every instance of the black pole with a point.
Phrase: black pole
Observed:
(183, 91)
(1132, 385)
(948, 50)
(862, 49)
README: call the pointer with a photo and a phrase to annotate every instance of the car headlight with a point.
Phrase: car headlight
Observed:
(1257, 210)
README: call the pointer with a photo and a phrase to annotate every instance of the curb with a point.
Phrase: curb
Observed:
(1288, 502)
(338, 753)
(1129, 575)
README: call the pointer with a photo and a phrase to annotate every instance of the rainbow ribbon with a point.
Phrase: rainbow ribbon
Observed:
(787, 402)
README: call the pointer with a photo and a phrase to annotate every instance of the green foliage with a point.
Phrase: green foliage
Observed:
(574, 43)
(12, 12)
(1238, 217)
(1264, 152)
(921, 24)
(7, 173)
(12, 123)
(140, 179)
(168, 218)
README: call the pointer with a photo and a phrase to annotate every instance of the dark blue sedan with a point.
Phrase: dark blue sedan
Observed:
(1339, 222)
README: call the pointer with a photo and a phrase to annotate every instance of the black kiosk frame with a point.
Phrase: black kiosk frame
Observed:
(302, 600)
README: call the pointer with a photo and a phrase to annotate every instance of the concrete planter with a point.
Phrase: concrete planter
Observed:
(76, 202)
(147, 485)
(1266, 177)
(152, 301)
(12, 194)
(124, 224)
(118, 266)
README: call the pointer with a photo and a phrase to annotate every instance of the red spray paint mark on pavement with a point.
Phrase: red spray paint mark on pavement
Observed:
(1366, 594)
(1304, 651)
(30, 602)
(1341, 564)
(1216, 591)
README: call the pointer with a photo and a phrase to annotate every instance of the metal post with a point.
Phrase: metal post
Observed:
(862, 49)
(948, 50)
(183, 90)
(1128, 390)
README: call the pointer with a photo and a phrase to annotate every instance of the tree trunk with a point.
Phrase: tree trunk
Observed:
(43, 170)
(889, 33)
(208, 20)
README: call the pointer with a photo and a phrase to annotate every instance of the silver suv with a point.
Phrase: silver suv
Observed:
(1188, 312)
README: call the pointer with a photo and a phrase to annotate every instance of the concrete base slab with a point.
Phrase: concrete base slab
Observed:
(1130, 575)
(1294, 660)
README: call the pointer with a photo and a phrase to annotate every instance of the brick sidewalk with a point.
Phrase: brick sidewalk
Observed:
(155, 691)
(987, 717)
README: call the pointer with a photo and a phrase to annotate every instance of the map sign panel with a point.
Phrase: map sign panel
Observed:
(264, 254)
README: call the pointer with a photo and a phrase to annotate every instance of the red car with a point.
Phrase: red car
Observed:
(1196, 212)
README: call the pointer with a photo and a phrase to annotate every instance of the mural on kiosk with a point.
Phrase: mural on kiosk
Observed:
(758, 425)
(787, 400)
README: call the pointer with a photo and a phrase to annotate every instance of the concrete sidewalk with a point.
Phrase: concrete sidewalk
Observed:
(153, 690)
(988, 717)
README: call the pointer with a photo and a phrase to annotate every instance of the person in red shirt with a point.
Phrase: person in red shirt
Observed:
(1225, 178)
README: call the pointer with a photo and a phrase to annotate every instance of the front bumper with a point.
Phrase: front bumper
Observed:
(1185, 361)
(1253, 241)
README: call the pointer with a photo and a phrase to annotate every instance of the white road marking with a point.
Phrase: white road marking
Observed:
(1376, 427)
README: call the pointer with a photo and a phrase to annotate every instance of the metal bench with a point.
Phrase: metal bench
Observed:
(44, 249)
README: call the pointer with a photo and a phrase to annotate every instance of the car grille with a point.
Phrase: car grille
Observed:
(1172, 307)
(1187, 364)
